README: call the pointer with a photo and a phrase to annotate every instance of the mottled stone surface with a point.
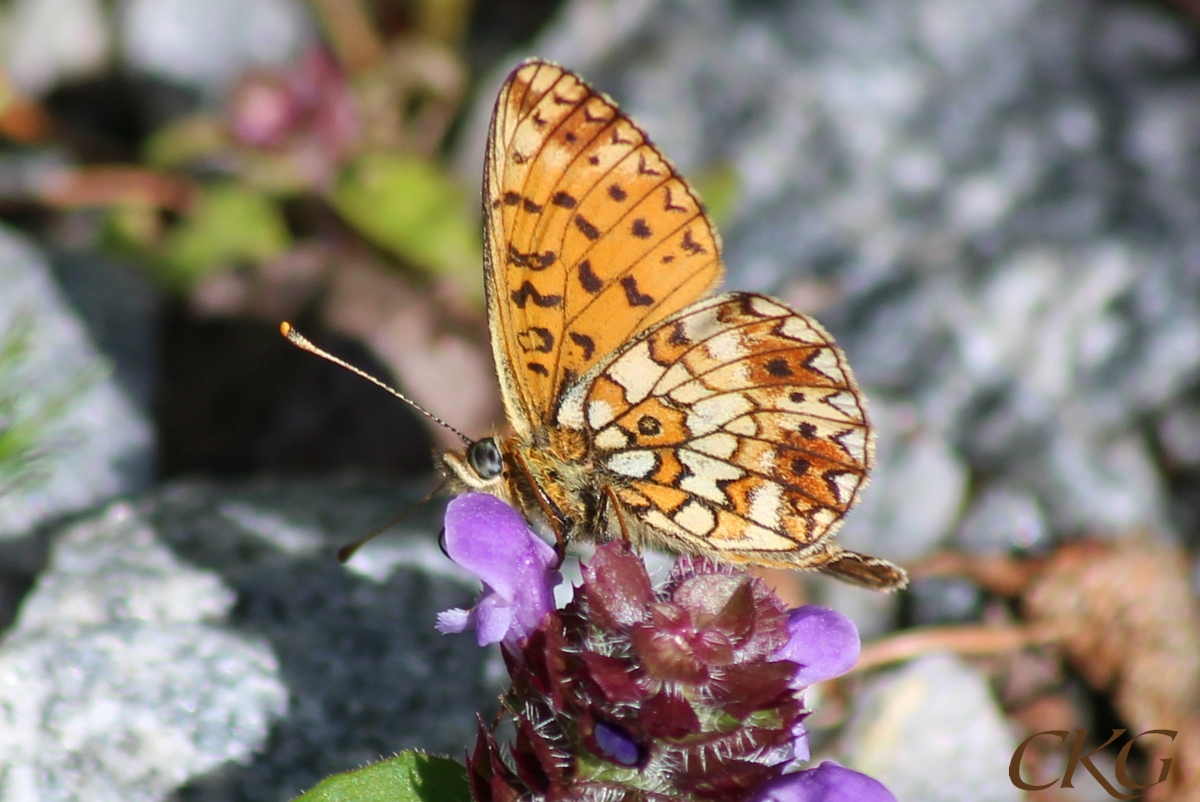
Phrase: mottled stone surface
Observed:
(117, 682)
(366, 672)
(202, 643)
(932, 730)
(97, 443)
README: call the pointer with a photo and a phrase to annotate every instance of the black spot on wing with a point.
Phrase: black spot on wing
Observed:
(589, 280)
(563, 200)
(585, 342)
(678, 337)
(526, 293)
(588, 230)
(537, 368)
(779, 367)
(533, 261)
(690, 245)
(536, 339)
(640, 229)
(617, 193)
(633, 295)
(649, 425)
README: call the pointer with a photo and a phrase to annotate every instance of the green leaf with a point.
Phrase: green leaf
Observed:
(408, 777)
(412, 208)
(230, 224)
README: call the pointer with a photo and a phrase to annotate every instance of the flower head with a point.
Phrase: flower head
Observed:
(691, 690)
(492, 541)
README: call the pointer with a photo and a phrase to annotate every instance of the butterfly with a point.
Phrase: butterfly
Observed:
(641, 405)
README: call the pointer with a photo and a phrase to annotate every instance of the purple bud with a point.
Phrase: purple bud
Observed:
(492, 541)
(822, 641)
(616, 744)
(828, 782)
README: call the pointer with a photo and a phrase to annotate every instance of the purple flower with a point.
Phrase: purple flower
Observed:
(828, 782)
(825, 644)
(822, 641)
(492, 541)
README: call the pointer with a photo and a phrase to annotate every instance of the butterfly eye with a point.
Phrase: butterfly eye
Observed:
(485, 458)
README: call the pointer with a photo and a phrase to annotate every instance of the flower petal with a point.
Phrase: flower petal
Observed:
(828, 782)
(492, 541)
(824, 642)
(494, 619)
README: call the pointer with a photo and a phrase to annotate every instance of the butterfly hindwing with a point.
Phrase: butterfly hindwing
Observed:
(734, 429)
(592, 237)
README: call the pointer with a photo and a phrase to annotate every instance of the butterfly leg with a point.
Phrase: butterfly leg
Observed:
(617, 511)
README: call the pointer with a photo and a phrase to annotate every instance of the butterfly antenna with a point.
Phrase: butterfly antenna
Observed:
(347, 551)
(300, 341)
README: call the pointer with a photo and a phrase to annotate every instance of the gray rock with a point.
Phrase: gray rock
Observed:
(201, 643)
(98, 445)
(367, 673)
(117, 684)
(1100, 487)
(47, 41)
(1001, 518)
(931, 731)
(944, 600)
(205, 44)
(120, 307)
(1179, 435)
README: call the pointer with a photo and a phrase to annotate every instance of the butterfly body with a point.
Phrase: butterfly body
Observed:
(640, 405)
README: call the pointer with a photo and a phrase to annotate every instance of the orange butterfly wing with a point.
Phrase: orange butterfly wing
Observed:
(735, 429)
(591, 237)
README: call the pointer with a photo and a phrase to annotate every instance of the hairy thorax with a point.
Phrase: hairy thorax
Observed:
(553, 479)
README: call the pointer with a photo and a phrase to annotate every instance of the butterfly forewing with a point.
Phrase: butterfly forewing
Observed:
(734, 426)
(592, 237)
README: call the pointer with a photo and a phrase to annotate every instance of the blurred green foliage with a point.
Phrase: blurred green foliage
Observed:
(232, 223)
(413, 209)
